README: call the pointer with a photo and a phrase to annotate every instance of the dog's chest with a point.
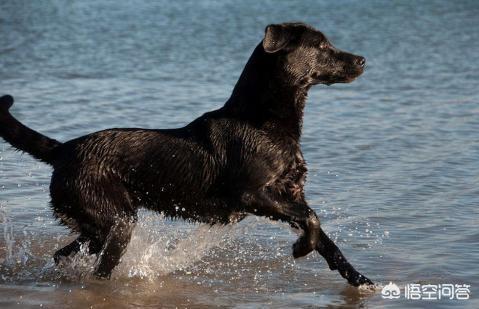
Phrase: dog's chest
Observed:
(289, 174)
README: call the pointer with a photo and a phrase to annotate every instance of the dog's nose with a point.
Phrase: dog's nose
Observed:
(360, 61)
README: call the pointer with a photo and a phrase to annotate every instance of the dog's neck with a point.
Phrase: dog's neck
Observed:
(260, 94)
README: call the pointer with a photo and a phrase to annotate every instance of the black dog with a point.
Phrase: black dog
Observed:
(244, 158)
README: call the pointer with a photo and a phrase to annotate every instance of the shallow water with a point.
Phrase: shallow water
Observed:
(393, 157)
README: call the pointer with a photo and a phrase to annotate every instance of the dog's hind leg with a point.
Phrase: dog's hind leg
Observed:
(114, 247)
(102, 211)
(94, 247)
(69, 249)
(115, 218)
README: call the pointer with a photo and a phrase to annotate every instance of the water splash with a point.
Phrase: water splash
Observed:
(167, 247)
(158, 247)
(256, 248)
(7, 236)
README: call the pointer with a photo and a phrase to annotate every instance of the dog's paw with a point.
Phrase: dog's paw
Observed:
(301, 247)
(357, 279)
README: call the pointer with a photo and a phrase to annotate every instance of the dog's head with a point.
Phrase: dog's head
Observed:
(306, 57)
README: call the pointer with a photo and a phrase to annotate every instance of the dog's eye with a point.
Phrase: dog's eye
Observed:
(323, 45)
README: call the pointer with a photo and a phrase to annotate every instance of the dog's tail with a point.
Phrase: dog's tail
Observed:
(23, 138)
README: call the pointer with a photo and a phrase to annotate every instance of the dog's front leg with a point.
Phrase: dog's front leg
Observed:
(336, 261)
(297, 214)
(301, 215)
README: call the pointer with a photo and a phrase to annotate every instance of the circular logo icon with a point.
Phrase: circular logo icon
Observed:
(391, 291)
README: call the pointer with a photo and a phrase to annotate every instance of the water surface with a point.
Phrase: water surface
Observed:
(393, 157)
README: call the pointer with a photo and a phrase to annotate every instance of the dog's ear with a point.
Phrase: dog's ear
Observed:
(276, 37)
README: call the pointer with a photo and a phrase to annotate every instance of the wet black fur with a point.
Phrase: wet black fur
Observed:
(244, 158)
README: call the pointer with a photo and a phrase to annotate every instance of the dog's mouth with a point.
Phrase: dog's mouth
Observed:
(346, 75)
(352, 75)
(343, 77)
